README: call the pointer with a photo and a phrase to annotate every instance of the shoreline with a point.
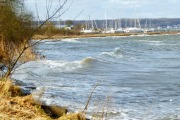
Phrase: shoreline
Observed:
(44, 37)
(19, 106)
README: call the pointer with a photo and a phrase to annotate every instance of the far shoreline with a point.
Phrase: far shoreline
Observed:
(96, 35)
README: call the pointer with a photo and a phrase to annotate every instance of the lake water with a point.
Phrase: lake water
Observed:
(137, 77)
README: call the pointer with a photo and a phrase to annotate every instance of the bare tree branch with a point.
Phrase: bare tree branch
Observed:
(89, 99)
(13, 63)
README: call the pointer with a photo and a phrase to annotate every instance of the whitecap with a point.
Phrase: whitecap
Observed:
(73, 40)
(143, 35)
(151, 42)
(88, 60)
(117, 53)
(48, 66)
(61, 66)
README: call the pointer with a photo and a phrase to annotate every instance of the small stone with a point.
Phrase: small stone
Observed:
(26, 88)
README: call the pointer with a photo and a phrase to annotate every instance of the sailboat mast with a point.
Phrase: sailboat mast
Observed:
(136, 21)
(119, 25)
(106, 19)
(92, 25)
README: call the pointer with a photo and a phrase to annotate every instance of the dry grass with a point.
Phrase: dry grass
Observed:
(13, 106)
(17, 107)
(97, 35)
(77, 116)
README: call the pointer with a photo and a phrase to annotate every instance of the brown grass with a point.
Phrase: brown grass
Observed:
(17, 107)
(97, 35)
(77, 116)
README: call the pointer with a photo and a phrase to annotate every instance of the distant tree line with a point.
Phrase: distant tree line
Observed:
(51, 29)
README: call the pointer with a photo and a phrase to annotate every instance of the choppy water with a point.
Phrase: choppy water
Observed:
(138, 77)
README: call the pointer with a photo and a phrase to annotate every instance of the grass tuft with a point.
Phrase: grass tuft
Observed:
(17, 107)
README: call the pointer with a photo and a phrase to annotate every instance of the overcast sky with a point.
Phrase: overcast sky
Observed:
(99, 9)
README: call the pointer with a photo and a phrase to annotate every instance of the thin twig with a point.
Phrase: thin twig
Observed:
(25, 47)
(87, 103)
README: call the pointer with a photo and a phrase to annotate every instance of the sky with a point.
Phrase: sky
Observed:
(107, 9)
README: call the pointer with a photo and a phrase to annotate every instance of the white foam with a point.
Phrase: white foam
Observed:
(156, 43)
(64, 66)
(116, 53)
(46, 67)
(61, 66)
(73, 40)
(88, 60)
(143, 35)
(151, 42)
(140, 35)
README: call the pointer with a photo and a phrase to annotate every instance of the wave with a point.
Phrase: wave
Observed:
(52, 41)
(76, 64)
(140, 35)
(63, 66)
(73, 40)
(117, 53)
(151, 42)
(89, 60)
(155, 43)
(48, 68)
(143, 35)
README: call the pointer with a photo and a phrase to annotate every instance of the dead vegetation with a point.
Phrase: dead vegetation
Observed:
(16, 48)
(17, 107)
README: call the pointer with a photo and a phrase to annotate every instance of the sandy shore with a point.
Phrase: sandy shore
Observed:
(100, 35)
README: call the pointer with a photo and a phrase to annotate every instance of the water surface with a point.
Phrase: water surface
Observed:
(138, 77)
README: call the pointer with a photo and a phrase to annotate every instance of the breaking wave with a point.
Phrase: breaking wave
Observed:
(117, 53)
(48, 66)
(70, 40)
